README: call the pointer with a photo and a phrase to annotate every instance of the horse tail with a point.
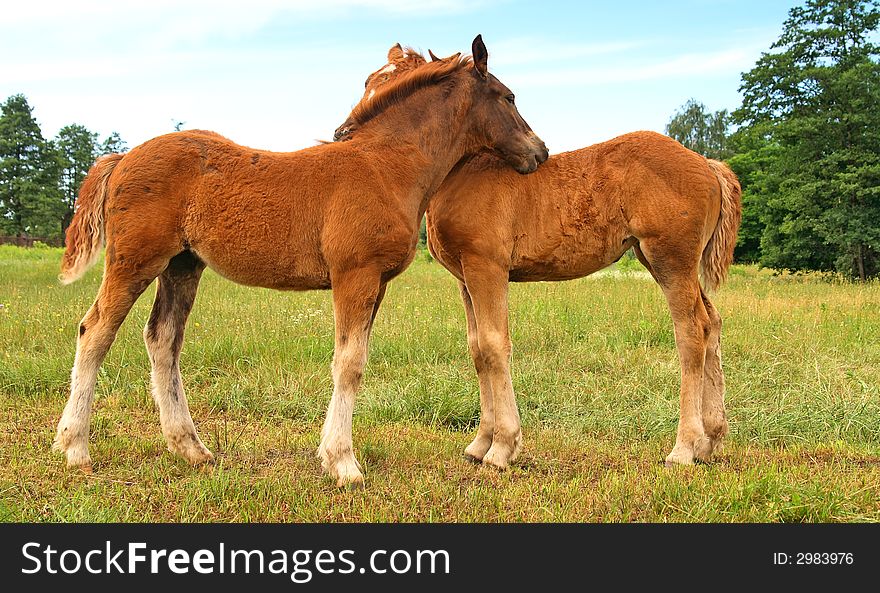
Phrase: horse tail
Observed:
(718, 253)
(85, 235)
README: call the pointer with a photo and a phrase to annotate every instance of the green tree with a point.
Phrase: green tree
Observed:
(114, 144)
(29, 196)
(77, 149)
(753, 154)
(700, 130)
(815, 100)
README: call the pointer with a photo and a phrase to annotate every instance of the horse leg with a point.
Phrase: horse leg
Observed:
(691, 325)
(483, 441)
(681, 286)
(356, 296)
(714, 415)
(120, 288)
(487, 287)
(163, 335)
(379, 298)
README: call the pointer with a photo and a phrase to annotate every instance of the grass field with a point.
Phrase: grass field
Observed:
(595, 370)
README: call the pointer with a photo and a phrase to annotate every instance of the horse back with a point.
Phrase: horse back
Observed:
(257, 217)
(579, 212)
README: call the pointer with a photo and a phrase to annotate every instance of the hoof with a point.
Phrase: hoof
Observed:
(343, 468)
(77, 455)
(346, 476)
(203, 459)
(699, 451)
(188, 445)
(670, 464)
(499, 456)
(503, 451)
(350, 482)
(471, 459)
(476, 451)
(703, 449)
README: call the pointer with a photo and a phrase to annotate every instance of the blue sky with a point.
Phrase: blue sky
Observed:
(279, 74)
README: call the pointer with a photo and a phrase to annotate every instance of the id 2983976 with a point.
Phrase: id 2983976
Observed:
(813, 558)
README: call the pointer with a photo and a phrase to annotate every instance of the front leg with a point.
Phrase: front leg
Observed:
(483, 440)
(487, 286)
(356, 298)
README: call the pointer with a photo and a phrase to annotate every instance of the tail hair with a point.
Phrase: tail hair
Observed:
(718, 254)
(85, 235)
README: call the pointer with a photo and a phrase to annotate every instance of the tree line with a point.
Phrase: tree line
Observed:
(805, 144)
(39, 177)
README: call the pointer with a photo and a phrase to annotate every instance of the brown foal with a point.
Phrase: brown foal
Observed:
(579, 213)
(340, 216)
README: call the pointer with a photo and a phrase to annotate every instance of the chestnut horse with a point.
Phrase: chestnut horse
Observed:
(580, 213)
(344, 216)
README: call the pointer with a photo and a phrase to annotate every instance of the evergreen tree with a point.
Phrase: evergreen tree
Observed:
(114, 144)
(815, 101)
(29, 196)
(77, 150)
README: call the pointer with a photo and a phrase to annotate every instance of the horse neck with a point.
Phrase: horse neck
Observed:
(426, 153)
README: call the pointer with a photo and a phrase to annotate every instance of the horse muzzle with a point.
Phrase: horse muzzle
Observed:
(534, 156)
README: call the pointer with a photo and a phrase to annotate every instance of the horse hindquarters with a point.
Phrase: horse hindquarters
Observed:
(141, 240)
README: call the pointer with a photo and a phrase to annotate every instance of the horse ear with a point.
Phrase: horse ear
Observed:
(433, 57)
(481, 56)
(395, 53)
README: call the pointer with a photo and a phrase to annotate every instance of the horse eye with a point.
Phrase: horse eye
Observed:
(510, 98)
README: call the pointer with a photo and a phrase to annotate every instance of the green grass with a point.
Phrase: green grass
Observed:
(595, 370)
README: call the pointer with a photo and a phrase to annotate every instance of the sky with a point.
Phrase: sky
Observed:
(279, 74)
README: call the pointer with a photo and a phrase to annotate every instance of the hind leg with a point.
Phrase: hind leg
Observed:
(680, 283)
(714, 414)
(691, 324)
(97, 331)
(163, 335)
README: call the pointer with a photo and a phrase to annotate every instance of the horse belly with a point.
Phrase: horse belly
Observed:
(269, 266)
(571, 256)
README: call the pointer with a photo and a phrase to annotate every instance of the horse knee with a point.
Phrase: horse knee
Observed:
(476, 353)
(348, 367)
(495, 349)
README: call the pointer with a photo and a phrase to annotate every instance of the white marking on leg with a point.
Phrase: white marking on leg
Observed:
(72, 436)
(167, 388)
(481, 443)
(507, 438)
(336, 444)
